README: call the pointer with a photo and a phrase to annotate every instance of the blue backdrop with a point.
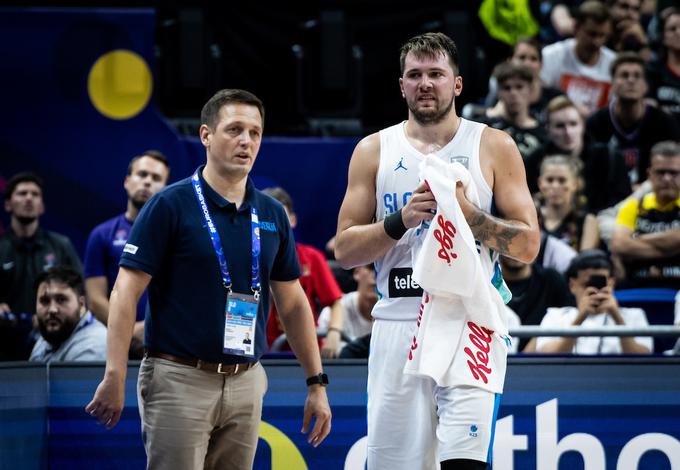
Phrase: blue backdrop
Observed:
(50, 126)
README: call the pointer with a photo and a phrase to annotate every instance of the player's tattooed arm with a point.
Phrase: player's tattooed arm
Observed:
(496, 233)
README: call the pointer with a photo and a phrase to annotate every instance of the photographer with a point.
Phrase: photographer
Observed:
(592, 284)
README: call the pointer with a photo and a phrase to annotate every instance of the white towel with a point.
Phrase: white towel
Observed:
(462, 329)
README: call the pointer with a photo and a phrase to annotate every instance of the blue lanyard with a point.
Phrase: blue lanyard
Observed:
(217, 242)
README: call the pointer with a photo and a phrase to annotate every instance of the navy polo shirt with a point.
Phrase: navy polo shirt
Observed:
(170, 241)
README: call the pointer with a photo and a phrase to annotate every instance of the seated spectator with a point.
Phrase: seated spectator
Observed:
(526, 53)
(356, 307)
(534, 289)
(663, 74)
(561, 209)
(647, 232)
(68, 331)
(318, 282)
(579, 66)
(26, 250)
(630, 126)
(604, 175)
(628, 34)
(514, 83)
(591, 282)
(146, 175)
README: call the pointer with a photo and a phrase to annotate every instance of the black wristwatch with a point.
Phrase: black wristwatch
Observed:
(321, 379)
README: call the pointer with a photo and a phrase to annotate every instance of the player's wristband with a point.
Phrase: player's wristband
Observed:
(394, 225)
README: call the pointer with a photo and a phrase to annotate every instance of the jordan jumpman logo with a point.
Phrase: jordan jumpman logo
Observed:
(401, 165)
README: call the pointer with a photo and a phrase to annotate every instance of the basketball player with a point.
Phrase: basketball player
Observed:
(412, 423)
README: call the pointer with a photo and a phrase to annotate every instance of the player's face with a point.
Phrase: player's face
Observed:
(58, 309)
(664, 174)
(514, 94)
(429, 86)
(234, 143)
(565, 128)
(671, 33)
(148, 176)
(26, 202)
(557, 185)
(591, 36)
(528, 56)
(628, 82)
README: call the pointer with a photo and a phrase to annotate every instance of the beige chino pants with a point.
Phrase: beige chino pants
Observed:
(194, 419)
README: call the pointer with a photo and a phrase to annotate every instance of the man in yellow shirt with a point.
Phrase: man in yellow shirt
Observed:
(647, 233)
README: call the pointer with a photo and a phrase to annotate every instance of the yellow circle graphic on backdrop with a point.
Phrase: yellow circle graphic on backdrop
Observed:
(120, 84)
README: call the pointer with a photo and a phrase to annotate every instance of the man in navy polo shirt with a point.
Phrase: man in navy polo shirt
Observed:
(146, 175)
(198, 246)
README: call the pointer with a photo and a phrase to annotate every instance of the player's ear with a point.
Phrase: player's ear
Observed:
(458, 85)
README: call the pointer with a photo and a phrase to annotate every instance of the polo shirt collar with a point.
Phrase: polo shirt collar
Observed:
(222, 203)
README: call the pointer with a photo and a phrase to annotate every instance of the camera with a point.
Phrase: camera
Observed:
(598, 281)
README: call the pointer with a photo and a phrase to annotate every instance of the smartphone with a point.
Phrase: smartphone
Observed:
(598, 281)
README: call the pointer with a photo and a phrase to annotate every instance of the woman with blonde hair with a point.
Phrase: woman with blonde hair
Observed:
(561, 205)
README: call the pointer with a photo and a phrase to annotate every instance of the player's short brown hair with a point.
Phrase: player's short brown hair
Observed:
(430, 45)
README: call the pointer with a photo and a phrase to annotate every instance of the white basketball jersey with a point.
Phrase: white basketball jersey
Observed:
(399, 296)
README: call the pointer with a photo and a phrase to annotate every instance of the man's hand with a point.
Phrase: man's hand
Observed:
(609, 305)
(421, 207)
(589, 303)
(331, 343)
(108, 401)
(317, 406)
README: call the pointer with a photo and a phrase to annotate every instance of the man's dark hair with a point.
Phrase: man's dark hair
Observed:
(211, 110)
(64, 275)
(588, 259)
(430, 45)
(666, 148)
(23, 177)
(592, 10)
(155, 154)
(627, 57)
(508, 70)
(282, 196)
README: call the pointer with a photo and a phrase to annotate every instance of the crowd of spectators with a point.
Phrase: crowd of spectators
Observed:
(596, 116)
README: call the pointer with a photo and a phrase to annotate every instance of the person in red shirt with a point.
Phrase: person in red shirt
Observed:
(318, 283)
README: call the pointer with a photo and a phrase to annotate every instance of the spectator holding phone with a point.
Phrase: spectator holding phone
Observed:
(591, 282)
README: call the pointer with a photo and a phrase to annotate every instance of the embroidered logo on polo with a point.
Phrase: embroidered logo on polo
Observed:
(401, 283)
(130, 248)
(267, 226)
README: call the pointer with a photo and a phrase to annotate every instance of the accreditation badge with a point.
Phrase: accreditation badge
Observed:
(239, 324)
